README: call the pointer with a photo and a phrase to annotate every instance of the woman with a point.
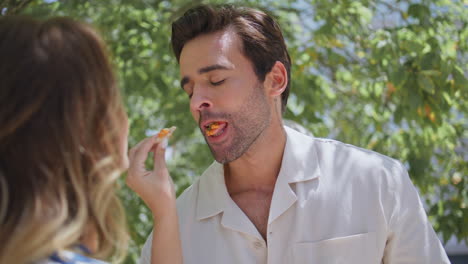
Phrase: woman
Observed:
(63, 145)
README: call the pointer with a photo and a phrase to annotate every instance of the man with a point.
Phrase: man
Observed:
(275, 195)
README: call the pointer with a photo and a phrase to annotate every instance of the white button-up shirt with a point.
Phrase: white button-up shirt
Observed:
(332, 203)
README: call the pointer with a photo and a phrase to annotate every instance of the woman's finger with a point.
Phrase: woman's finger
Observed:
(132, 151)
(141, 153)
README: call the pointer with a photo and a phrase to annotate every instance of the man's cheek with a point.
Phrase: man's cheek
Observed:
(196, 116)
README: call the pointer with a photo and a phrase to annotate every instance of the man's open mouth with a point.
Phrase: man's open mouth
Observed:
(215, 129)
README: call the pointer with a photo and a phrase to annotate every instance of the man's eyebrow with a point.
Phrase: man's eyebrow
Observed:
(206, 69)
(212, 68)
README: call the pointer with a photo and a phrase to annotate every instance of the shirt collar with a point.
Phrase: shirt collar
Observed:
(300, 163)
(300, 158)
(214, 199)
(212, 192)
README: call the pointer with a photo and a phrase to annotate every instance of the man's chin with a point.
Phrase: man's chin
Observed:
(223, 158)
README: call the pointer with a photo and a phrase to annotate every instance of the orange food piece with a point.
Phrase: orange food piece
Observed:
(212, 129)
(214, 126)
(164, 132)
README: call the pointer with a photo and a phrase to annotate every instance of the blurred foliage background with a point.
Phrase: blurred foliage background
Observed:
(386, 75)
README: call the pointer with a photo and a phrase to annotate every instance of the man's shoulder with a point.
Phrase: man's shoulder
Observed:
(352, 152)
(340, 160)
(330, 148)
(359, 164)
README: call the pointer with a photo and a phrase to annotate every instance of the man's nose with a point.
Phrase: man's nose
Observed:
(200, 100)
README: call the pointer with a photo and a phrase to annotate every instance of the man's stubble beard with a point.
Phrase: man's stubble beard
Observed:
(246, 124)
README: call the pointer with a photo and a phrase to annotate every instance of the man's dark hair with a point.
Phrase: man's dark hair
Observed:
(262, 41)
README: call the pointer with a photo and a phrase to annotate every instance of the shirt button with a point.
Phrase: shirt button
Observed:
(258, 244)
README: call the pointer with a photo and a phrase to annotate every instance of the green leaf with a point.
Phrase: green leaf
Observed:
(447, 98)
(459, 77)
(426, 83)
(414, 46)
(431, 73)
(419, 11)
(399, 76)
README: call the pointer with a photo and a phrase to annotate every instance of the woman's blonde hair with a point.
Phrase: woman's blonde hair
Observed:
(62, 128)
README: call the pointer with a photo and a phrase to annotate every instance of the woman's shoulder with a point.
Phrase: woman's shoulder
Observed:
(69, 257)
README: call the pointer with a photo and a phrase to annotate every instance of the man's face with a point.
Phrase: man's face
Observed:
(225, 92)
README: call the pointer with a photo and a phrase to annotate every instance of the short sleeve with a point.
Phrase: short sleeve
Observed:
(411, 238)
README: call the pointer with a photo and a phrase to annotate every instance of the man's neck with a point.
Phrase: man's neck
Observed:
(258, 168)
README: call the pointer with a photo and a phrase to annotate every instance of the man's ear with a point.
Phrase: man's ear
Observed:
(277, 79)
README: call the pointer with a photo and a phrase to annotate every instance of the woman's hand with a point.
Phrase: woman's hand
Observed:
(156, 189)
(154, 186)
